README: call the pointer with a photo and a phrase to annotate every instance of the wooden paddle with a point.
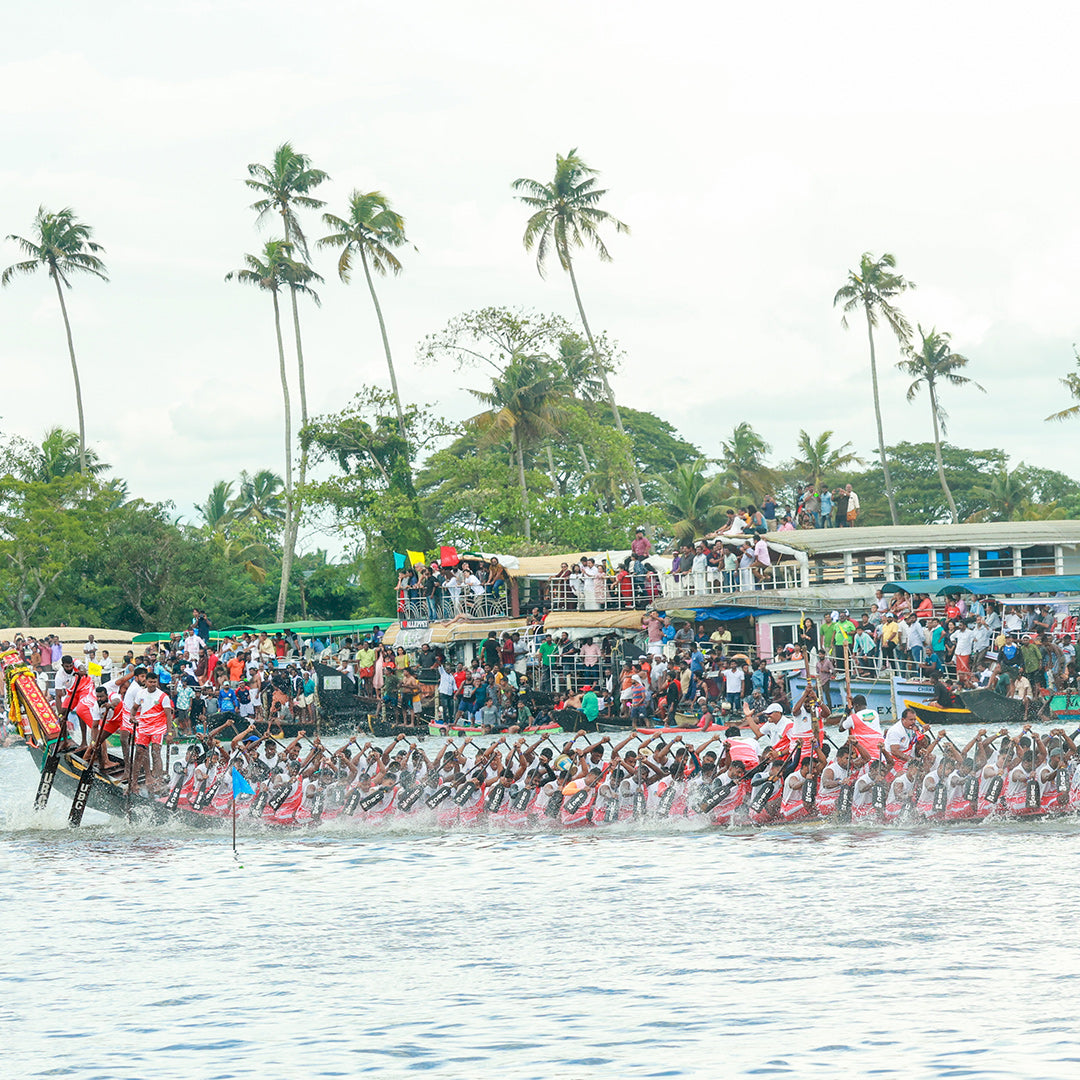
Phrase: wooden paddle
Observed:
(52, 758)
(86, 782)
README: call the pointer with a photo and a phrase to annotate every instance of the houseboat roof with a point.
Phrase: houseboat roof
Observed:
(989, 586)
(989, 534)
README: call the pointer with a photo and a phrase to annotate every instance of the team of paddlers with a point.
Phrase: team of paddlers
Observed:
(771, 769)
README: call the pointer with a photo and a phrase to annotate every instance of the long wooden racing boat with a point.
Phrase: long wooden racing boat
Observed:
(110, 797)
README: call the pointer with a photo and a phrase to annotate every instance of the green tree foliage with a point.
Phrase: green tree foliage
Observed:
(372, 499)
(525, 407)
(742, 460)
(919, 497)
(1071, 382)
(694, 503)
(45, 529)
(817, 460)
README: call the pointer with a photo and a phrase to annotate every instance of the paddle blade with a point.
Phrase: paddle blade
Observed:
(48, 774)
(82, 796)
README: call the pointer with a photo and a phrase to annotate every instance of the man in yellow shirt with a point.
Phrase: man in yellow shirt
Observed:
(890, 639)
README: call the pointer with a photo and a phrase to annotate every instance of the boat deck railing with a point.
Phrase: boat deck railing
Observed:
(719, 582)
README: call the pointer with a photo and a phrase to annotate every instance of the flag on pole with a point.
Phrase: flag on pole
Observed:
(415, 557)
(93, 669)
(399, 561)
(239, 785)
(448, 556)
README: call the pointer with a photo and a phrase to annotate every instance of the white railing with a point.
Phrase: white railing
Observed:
(451, 605)
(716, 582)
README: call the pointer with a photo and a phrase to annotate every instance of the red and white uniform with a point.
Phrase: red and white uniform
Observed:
(827, 797)
(151, 716)
(986, 777)
(744, 750)
(957, 806)
(79, 700)
(1047, 777)
(900, 793)
(927, 788)
(1016, 792)
(582, 816)
(798, 731)
(724, 810)
(862, 797)
(898, 742)
(131, 697)
(791, 802)
(112, 712)
(866, 730)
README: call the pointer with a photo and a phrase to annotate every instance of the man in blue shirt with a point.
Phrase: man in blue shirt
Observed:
(228, 703)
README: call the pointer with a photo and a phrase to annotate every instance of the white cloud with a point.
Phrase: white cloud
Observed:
(755, 151)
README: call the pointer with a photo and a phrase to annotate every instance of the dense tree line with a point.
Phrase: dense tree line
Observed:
(549, 461)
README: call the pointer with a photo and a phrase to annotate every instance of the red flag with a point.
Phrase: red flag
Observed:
(448, 556)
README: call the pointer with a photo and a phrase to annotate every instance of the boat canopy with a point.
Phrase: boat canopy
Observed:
(720, 612)
(988, 586)
(304, 627)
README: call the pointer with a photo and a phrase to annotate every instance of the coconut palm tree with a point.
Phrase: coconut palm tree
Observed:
(283, 187)
(371, 229)
(1071, 382)
(61, 245)
(261, 497)
(873, 288)
(696, 503)
(274, 270)
(1006, 495)
(524, 407)
(219, 509)
(818, 458)
(59, 456)
(742, 458)
(935, 362)
(567, 216)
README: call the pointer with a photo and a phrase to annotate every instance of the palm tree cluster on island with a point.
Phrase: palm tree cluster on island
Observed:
(529, 403)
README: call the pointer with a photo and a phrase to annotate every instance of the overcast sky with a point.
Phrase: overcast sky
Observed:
(755, 151)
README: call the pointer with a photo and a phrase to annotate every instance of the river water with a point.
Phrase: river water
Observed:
(631, 952)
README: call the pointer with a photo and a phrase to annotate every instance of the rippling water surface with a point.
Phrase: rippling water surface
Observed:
(623, 953)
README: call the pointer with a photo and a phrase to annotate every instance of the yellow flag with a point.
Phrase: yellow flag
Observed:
(415, 557)
(93, 669)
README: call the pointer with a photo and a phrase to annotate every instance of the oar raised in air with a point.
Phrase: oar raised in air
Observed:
(52, 759)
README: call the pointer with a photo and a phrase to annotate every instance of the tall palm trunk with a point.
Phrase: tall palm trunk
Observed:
(603, 375)
(880, 430)
(937, 454)
(74, 372)
(551, 470)
(386, 346)
(290, 526)
(524, 490)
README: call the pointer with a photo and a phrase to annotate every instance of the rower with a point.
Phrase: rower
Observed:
(903, 789)
(834, 776)
(153, 715)
(900, 740)
(862, 795)
(106, 718)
